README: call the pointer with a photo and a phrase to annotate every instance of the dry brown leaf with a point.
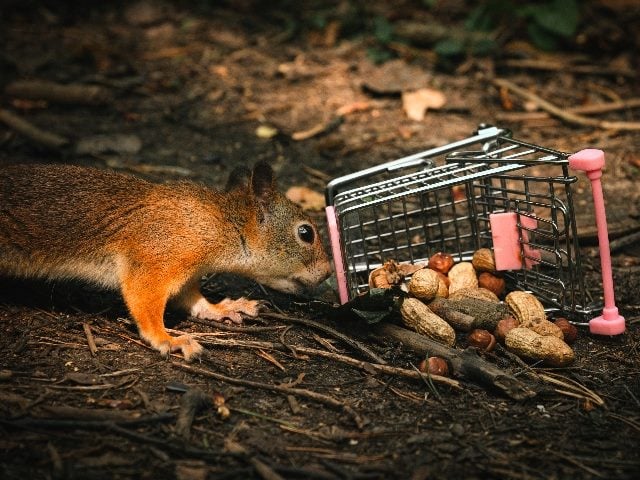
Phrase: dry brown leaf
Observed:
(353, 107)
(305, 197)
(417, 102)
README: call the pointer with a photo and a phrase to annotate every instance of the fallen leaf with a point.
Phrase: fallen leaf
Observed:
(417, 102)
(305, 197)
(353, 107)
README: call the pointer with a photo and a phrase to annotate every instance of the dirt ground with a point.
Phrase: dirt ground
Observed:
(190, 92)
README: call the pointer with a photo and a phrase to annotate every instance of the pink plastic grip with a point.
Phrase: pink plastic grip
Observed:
(336, 251)
(610, 322)
(506, 241)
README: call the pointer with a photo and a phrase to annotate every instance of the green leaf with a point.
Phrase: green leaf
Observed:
(558, 16)
(541, 37)
(480, 18)
(483, 47)
(382, 29)
(449, 47)
(379, 55)
(371, 317)
(373, 306)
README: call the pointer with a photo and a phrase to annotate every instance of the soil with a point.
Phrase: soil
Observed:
(196, 90)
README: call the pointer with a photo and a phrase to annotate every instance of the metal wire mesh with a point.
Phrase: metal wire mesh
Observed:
(411, 215)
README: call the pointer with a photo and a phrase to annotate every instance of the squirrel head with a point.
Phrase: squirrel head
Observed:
(285, 249)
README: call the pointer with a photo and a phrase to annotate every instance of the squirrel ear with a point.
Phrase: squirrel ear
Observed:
(238, 179)
(262, 182)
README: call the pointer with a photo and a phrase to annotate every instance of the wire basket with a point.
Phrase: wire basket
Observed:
(488, 190)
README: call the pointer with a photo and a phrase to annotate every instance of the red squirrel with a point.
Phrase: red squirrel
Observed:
(154, 242)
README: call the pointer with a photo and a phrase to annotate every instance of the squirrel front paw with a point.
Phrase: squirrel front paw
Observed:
(227, 308)
(190, 348)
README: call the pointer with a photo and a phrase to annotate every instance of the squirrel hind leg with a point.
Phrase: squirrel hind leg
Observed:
(194, 302)
(146, 306)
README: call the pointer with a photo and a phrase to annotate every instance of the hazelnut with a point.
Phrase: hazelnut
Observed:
(569, 331)
(483, 260)
(491, 282)
(434, 366)
(441, 262)
(481, 339)
(503, 328)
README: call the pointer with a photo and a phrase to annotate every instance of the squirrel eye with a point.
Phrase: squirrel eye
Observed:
(306, 234)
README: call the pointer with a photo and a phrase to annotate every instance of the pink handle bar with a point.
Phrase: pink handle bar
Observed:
(336, 250)
(610, 322)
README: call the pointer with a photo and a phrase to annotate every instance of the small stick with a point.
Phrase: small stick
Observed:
(231, 328)
(90, 340)
(271, 359)
(536, 64)
(60, 93)
(563, 113)
(607, 106)
(366, 366)
(325, 328)
(263, 470)
(48, 139)
(317, 397)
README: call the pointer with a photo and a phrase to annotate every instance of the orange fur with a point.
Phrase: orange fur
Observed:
(155, 242)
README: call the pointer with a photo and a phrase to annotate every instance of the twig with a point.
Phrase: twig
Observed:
(321, 128)
(56, 423)
(269, 358)
(169, 445)
(231, 328)
(465, 363)
(576, 463)
(366, 366)
(90, 340)
(628, 421)
(607, 107)
(263, 417)
(624, 241)
(60, 93)
(48, 139)
(325, 328)
(562, 113)
(317, 397)
(559, 66)
(262, 469)
(571, 388)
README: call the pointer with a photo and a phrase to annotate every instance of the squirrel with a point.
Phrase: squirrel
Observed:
(154, 242)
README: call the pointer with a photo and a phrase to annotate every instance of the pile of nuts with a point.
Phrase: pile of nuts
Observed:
(471, 289)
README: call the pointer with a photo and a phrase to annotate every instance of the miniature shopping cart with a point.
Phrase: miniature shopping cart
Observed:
(488, 190)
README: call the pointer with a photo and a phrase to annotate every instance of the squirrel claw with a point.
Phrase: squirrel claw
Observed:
(226, 309)
(190, 348)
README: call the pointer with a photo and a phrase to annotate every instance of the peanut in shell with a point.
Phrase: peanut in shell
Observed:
(551, 350)
(525, 307)
(462, 275)
(417, 316)
(424, 284)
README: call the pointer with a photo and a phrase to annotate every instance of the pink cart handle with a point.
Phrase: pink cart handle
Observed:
(610, 322)
(338, 260)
